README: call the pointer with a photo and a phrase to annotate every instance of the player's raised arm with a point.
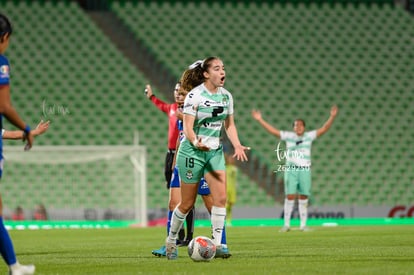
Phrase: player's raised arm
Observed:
(256, 114)
(328, 123)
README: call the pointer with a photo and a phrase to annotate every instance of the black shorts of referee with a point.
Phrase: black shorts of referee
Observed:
(168, 170)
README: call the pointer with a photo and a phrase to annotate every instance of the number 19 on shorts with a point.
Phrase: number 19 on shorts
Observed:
(189, 162)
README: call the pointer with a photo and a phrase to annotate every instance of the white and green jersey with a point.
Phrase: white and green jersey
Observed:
(210, 110)
(298, 148)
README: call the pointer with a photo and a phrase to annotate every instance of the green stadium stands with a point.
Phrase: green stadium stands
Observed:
(297, 60)
(66, 70)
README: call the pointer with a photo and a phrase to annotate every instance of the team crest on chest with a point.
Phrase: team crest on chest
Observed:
(225, 101)
(4, 71)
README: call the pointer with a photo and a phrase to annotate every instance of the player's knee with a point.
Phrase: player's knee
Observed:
(185, 207)
(291, 196)
(172, 205)
(220, 201)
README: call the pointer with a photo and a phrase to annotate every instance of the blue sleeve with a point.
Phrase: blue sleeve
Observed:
(180, 125)
(4, 71)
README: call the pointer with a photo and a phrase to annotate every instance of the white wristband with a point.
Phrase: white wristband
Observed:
(195, 142)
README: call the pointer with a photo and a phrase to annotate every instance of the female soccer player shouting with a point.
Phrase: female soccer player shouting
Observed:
(206, 108)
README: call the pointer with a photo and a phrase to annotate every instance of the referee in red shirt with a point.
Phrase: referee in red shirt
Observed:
(171, 111)
(173, 115)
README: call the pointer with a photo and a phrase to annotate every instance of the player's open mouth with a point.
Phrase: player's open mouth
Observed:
(222, 79)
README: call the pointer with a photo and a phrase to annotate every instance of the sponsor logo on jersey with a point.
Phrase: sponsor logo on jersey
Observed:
(212, 103)
(204, 185)
(4, 71)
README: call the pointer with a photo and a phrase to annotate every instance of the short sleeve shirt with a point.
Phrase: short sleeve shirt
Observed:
(4, 71)
(298, 148)
(210, 110)
(4, 80)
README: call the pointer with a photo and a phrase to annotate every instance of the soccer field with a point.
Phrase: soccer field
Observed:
(385, 249)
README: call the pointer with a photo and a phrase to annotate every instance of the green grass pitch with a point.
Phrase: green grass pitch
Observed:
(256, 250)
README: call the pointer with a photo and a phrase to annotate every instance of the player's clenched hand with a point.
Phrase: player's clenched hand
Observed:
(148, 91)
(199, 145)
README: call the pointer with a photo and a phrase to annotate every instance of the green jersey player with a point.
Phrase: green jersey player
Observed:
(207, 108)
(298, 163)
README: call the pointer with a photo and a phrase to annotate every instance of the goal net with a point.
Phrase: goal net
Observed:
(77, 182)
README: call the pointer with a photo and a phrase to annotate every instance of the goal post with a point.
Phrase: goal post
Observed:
(77, 182)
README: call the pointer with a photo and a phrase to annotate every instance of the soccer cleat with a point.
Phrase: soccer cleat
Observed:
(182, 243)
(171, 250)
(222, 252)
(18, 269)
(305, 229)
(160, 252)
(284, 229)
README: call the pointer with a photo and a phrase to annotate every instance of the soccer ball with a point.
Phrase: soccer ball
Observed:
(201, 249)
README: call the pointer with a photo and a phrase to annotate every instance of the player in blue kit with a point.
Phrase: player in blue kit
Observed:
(8, 111)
